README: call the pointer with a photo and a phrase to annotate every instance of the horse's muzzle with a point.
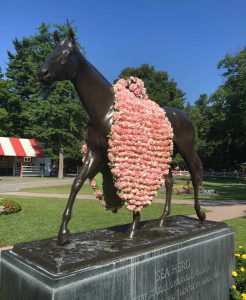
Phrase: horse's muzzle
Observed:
(45, 77)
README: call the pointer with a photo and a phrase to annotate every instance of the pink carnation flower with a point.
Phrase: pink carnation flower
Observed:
(140, 146)
(93, 182)
(84, 148)
(98, 193)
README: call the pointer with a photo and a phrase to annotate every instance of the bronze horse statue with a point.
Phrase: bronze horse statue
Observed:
(97, 96)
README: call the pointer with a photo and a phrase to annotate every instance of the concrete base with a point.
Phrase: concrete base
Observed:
(194, 263)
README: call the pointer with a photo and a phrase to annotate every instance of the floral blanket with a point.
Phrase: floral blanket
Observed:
(140, 146)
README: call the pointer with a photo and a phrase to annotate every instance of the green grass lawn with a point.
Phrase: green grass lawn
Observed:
(62, 189)
(239, 225)
(226, 189)
(40, 218)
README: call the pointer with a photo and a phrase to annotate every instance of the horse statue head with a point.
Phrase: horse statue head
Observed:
(61, 64)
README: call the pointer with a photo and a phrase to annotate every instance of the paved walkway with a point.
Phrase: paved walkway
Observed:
(14, 184)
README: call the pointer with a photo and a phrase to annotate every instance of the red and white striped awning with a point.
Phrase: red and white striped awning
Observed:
(20, 147)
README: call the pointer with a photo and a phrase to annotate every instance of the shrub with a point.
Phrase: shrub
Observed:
(9, 207)
(238, 290)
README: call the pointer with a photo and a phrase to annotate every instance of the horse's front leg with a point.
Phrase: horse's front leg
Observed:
(90, 167)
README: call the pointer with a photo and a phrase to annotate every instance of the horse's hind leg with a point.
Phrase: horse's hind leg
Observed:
(167, 207)
(196, 171)
(90, 167)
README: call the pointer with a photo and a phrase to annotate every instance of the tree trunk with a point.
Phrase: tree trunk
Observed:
(61, 160)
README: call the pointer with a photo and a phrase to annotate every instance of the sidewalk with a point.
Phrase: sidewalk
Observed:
(14, 184)
(216, 210)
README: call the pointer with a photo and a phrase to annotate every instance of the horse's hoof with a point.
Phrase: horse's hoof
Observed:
(163, 219)
(162, 222)
(131, 234)
(63, 238)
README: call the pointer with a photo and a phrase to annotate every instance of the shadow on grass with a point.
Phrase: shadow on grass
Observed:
(223, 203)
(225, 189)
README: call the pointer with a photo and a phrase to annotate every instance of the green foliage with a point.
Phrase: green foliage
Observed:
(9, 207)
(235, 295)
(179, 161)
(220, 120)
(159, 87)
(202, 118)
(52, 115)
(228, 106)
(62, 117)
(238, 290)
(7, 107)
(232, 97)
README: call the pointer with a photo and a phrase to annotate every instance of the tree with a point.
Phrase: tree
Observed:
(4, 117)
(220, 120)
(159, 87)
(228, 108)
(201, 115)
(8, 107)
(52, 115)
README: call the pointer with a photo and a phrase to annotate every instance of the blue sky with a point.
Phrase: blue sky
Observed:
(186, 38)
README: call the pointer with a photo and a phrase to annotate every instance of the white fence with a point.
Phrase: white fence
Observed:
(239, 175)
(32, 171)
(39, 171)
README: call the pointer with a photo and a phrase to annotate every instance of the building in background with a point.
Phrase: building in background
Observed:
(22, 157)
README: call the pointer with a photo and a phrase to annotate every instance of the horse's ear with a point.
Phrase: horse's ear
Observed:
(71, 35)
(56, 37)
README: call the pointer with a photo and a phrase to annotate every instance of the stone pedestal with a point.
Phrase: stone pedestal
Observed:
(186, 260)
